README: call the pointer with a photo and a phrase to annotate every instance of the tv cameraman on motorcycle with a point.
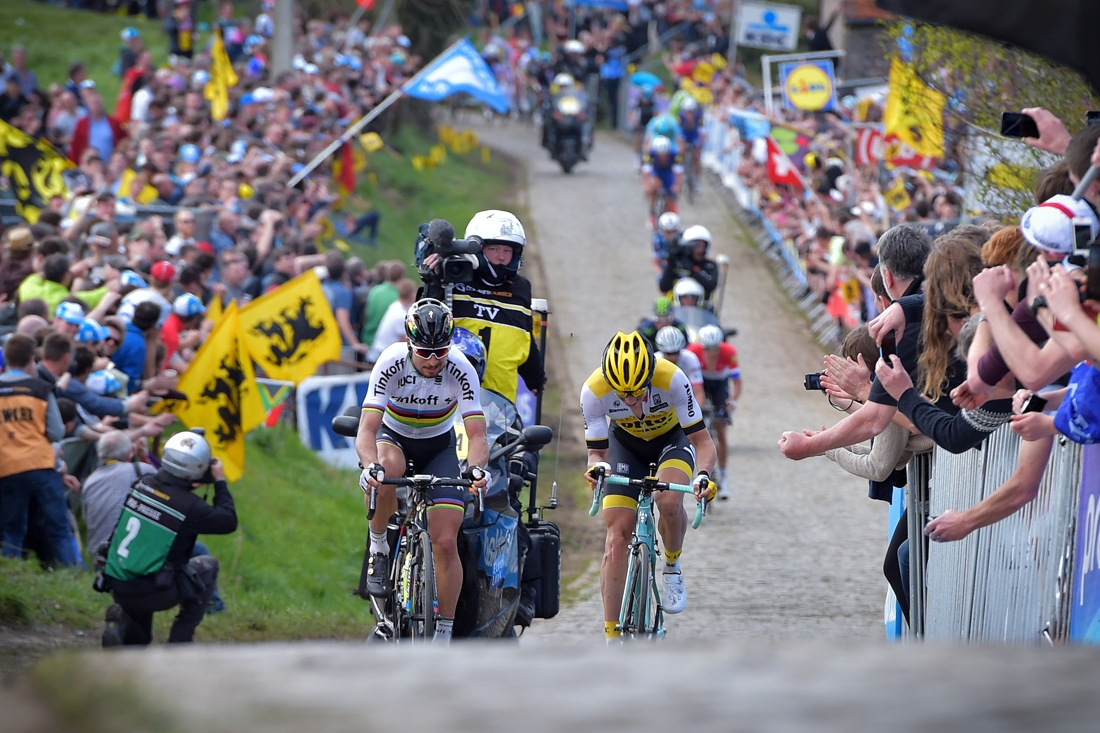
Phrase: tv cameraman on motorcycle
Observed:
(565, 85)
(689, 260)
(416, 391)
(495, 302)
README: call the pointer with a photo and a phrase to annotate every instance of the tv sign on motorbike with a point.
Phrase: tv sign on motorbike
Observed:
(767, 26)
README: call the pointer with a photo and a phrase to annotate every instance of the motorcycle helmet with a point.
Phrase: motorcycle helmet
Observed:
(694, 234)
(498, 227)
(687, 288)
(429, 324)
(573, 47)
(670, 340)
(563, 82)
(186, 456)
(711, 336)
(661, 145)
(628, 364)
(669, 221)
(472, 348)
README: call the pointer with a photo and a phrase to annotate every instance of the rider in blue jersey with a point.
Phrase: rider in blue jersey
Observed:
(662, 172)
(691, 127)
(663, 125)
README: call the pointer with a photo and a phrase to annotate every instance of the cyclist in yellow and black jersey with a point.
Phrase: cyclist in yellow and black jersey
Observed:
(639, 410)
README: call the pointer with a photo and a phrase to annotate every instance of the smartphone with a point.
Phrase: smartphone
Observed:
(1082, 234)
(1092, 287)
(1092, 117)
(1034, 403)
(888, 348)
(1017, 124)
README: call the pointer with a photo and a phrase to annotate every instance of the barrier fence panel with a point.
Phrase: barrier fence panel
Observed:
(1009, 582)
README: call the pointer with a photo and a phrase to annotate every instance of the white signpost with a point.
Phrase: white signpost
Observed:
(772, 27)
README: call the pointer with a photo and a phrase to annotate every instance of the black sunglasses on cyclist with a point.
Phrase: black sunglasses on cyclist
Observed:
(426, 353)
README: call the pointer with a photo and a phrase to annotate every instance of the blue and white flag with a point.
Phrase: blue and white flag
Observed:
(458, 69)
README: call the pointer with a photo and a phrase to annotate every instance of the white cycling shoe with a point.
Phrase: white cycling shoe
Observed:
(723, 492)
(673, 594)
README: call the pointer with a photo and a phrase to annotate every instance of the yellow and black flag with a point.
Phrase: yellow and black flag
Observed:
(914, 112)
(222, 395)
(291, 331)
(222, 78)
(34, 168)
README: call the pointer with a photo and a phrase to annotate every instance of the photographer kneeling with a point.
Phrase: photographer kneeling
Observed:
(689, 259)
(149, 567)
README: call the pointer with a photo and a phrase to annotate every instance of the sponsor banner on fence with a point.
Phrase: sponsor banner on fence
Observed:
(1085, 614)
(319, 399)
(773, 27)
(808, 85)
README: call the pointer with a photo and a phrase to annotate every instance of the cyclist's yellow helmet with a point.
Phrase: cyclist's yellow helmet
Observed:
(628, 363)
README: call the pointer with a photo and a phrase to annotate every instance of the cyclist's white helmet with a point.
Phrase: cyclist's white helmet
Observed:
(669, 221)
(696, 233)
(689, 105)
(710, 336)
(670, 340)
(573, 46)
(661, 145)
(686, 288)
(563, 81)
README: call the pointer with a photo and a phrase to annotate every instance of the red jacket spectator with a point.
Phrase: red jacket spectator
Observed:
(80, 136)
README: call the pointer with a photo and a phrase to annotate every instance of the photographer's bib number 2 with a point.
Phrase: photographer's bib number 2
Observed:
(143, 536)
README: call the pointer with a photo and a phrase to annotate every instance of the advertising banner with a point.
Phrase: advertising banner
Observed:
(319, 400)
(772, 27)
(808, 85)
(1084, 625)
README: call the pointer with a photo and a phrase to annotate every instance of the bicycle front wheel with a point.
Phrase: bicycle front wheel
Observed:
(425, 599)
(637, 603)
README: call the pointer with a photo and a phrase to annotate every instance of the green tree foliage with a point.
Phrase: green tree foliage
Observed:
(430, 24)
(982, 78)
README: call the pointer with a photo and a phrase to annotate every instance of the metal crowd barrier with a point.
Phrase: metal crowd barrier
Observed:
(1010, 582)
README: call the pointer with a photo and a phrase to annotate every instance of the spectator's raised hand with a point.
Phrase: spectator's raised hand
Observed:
(796, 446)
(893, 377)
(992, 286)
(1038, 272)
(1063, 297)
(1053, 135)
(1034, 425)
(137, 401)
(891, 319)
(846, 378)
(950, 526)
(964, 399)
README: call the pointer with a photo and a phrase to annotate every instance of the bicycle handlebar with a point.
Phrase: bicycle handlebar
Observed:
(700, 507)
(425, 480)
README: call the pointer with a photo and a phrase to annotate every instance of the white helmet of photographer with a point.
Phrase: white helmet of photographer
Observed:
(563, 81)
(710, 336)
(686, 288)
(670, 340)
(494, 225)
(669, 221)
(695, 234)
(573, 46)
(661, 145)
(186, 456)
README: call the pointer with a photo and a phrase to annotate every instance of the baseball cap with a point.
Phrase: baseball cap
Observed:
(70, 313)
(102, 383)
(190, 153)
(237, 150)
(163, 271)
(128, 34)
(87, 84)
(1049, 226)
(91, 332)
(131, 279)
(188, 305)
(200, 78)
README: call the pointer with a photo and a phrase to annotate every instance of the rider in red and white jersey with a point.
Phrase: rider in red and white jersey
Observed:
(718, 360)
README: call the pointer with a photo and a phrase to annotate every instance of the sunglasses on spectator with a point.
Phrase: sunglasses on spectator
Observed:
(426, 353)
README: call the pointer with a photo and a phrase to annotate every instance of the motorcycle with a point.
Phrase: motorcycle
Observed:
(567, 123)
(490, 542)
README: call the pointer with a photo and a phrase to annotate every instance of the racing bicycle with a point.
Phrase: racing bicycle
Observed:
(641, 615)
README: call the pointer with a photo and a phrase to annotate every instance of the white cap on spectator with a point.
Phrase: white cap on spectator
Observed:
(200, 78)
(310, 69)
(262, 95)
(1049, 226)
(237, 151)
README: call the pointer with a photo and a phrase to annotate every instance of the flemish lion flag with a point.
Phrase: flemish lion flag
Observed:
(913, 111)
(222, 396)
(34, 168)
(291, 331)
(222, 78)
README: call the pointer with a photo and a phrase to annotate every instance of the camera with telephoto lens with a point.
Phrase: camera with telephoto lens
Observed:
(458, 257)
(813, 383)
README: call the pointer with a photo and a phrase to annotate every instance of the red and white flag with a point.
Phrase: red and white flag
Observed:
(873, 146)
(781, 170)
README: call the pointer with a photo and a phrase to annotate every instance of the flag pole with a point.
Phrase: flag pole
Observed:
(363, 122)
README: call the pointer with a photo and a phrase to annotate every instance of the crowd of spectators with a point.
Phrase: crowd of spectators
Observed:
(102, 305)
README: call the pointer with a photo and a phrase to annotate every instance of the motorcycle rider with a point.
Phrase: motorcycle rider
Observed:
(416, 389)
(718, 360)
(564, 86)
(662, 172)
(665, 239)
(496, 306)
(690, 260)
(653, 419)
(149, 567)
(572, 61)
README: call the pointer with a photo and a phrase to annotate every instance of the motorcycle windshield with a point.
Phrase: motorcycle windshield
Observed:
(500, 417)
(694, 318)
